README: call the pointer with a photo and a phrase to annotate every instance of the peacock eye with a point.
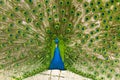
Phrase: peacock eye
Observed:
(36, 35)
(46, 1)
(61, 2)
(57, 27)
(98, 3)
(79, 35)
(107, 4)
(78, 13)
(102, 14)
(25, 13)
(112, 1)
(96, 37)
(70, 25)
(41, 14)
(93, 9)
(54, 7)
(64, 20)
(68, 2)
(100, 8)
(115, 9)
(68, 30)
(95, 16)
(33, 11)
(48, 31)
(83, 41)
(109, 12)
(87, 11)
(91, 32)
(63, 11)
(56, 15)
(71, 11)
(50, 19)
(11, 24)
(29, 20)
(48, 10)
(110, 18)
(27, 28)
(17, 8)
(85, 4)
(39, 5)
(19, 31)
(41, 18)
(91, 4)
(12, 15)
(37, 24)
(11, 35)
(104, 21)
(19, 21)
(4, 18)
(87, 18)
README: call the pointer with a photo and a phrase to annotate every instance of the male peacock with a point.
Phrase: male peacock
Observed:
(85, 35)
(57, 62)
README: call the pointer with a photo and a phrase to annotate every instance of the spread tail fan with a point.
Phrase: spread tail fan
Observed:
(88, 32)
(23, 38)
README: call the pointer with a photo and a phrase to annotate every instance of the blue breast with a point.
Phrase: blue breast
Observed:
(57, 62)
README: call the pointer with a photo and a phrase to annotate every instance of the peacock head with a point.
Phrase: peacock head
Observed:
(56, 40)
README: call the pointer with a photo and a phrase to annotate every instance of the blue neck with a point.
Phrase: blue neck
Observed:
(57, 62)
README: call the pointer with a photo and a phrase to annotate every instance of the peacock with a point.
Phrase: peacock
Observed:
(82, 36)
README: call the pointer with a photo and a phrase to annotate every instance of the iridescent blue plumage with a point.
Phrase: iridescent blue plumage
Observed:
(57, 62)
